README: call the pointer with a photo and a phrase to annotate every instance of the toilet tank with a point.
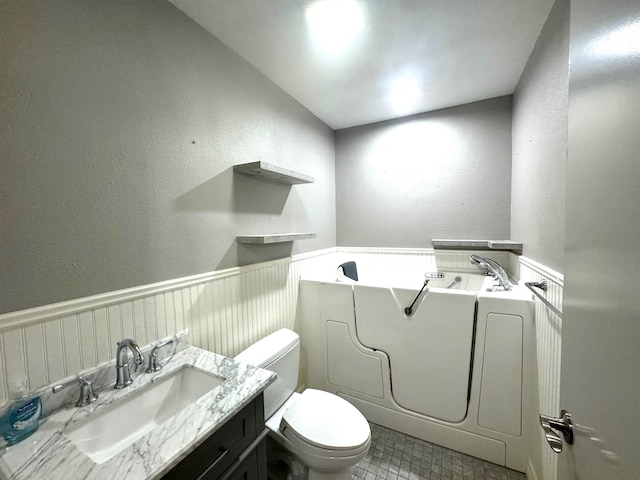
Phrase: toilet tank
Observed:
(279, 353)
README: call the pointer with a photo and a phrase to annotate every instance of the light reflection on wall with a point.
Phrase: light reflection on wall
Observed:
(408, 155)
(624, 41)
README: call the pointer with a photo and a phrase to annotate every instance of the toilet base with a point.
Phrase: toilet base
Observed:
(344, 474)
(284, 465)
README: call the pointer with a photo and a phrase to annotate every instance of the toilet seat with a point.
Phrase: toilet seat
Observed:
(323, 422)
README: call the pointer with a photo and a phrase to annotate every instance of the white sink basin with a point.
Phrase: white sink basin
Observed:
(107, 433)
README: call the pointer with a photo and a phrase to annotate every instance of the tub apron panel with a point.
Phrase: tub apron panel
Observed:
(429, 351)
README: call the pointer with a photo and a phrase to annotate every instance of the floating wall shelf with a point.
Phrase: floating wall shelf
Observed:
(274, 238)
(272, 173)
(505, 245)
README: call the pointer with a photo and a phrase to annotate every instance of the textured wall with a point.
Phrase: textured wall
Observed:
(540, 110)
(444, 174)
(121, 121)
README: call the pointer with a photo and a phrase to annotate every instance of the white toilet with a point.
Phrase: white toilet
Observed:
(326, 434)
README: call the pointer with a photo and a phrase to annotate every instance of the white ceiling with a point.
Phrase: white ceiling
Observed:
(456, 51)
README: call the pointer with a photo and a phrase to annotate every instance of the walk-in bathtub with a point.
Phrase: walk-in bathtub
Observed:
(457, 371)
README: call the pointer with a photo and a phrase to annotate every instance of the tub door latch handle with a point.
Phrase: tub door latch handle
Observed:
(562, 424)
(409, 310)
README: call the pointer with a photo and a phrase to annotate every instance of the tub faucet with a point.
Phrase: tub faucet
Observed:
(123, 374)
(492, 267)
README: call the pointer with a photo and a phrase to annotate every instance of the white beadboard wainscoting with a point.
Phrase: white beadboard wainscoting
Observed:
(410, 264)
(543, 462)
(227, 310)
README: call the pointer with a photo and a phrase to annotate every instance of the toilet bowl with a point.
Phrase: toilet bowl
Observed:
(324, 433)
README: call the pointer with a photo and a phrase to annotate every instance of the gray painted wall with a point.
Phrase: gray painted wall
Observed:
(443, 174)
(121, 121)
(540, 107)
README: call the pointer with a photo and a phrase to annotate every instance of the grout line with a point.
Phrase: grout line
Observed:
(394, 455)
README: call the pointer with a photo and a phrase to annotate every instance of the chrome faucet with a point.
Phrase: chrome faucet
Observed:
(123, 374)
(491, 267)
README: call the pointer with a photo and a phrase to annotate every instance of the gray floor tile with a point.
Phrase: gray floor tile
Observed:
(396, 456)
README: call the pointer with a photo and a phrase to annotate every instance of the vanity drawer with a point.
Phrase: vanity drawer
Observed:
(222, 448)
(253, 467)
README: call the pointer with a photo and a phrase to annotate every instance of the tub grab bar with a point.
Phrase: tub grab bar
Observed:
(409, 310)
(542, 285)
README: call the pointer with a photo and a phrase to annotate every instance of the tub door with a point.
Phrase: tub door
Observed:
(429, 351)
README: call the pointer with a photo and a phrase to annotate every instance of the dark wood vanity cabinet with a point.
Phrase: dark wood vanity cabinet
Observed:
(236, 451)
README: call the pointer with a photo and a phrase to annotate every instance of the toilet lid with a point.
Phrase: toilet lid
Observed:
(325, 420)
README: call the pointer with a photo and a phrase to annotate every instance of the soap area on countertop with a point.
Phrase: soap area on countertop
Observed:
(19, 417)
(65, 444)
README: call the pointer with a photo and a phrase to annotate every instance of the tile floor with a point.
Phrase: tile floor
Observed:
(396, 456)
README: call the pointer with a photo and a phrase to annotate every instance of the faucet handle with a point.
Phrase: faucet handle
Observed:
(154, 366)
(87, 394)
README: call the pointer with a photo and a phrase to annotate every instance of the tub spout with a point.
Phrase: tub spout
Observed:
(493, 268)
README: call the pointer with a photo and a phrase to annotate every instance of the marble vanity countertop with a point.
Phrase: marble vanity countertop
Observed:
(49, 454)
